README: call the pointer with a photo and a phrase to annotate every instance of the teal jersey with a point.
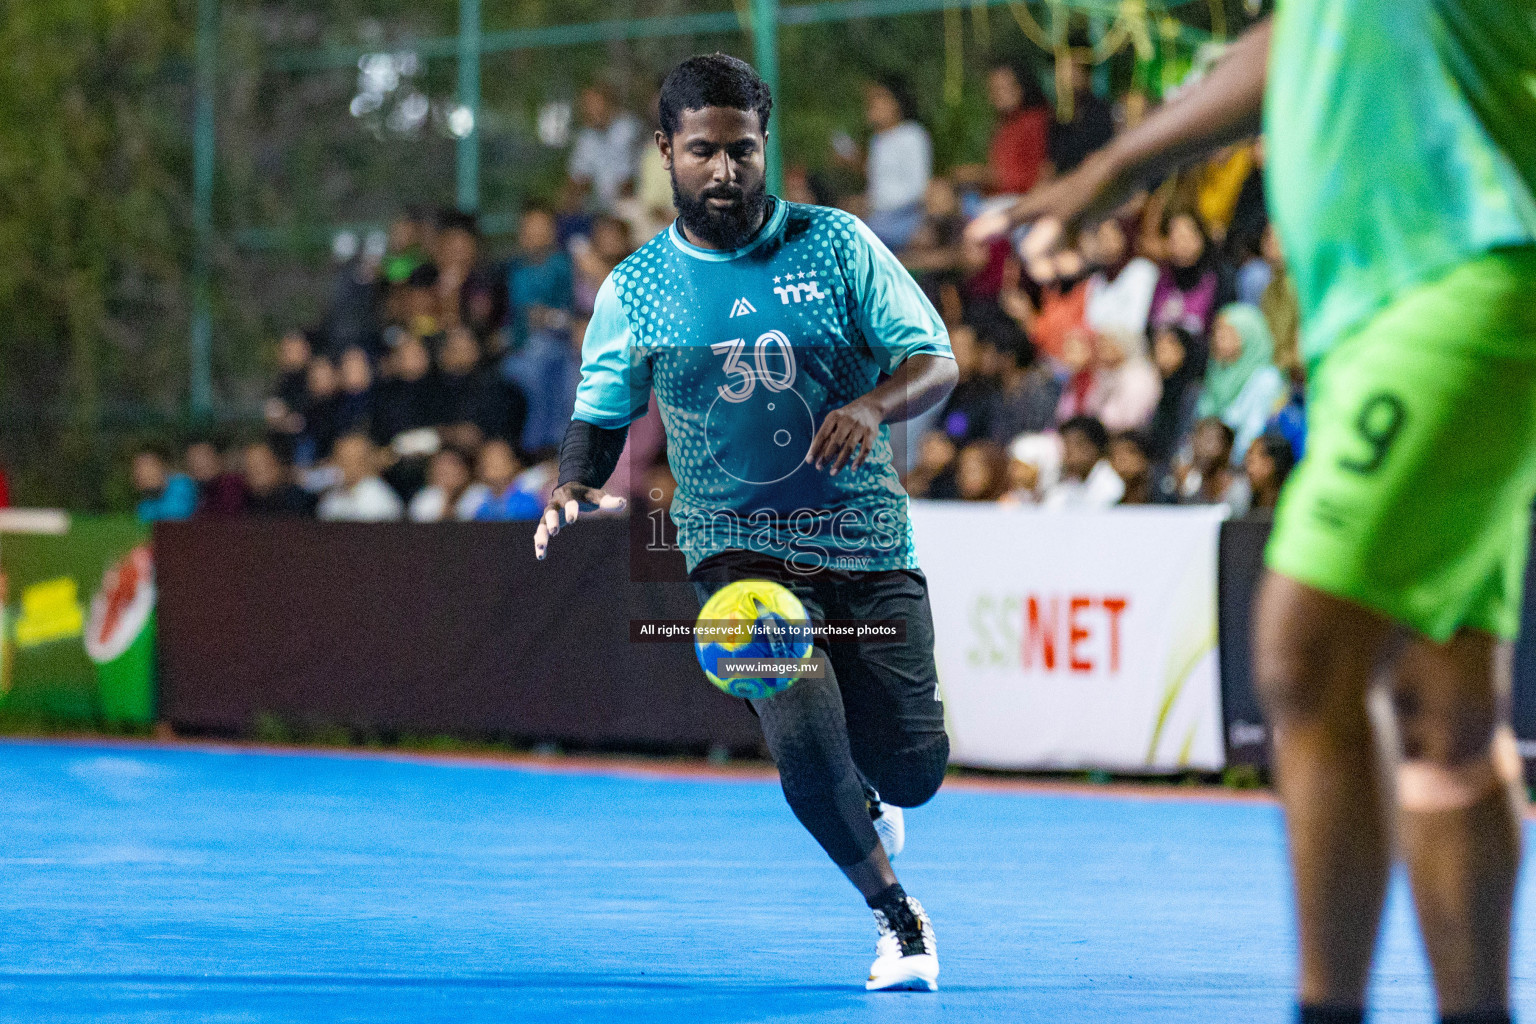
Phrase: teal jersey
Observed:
(747, 351)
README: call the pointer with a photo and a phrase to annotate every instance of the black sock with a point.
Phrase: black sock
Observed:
(1324, 1014)
(1478, 1017)
(886, 898)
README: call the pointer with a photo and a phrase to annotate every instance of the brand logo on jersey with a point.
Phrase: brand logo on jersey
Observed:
(798, 291)
(742, 307)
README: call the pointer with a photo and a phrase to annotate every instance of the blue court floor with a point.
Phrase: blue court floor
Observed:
(174, 884)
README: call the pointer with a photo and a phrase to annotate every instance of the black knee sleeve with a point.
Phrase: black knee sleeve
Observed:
(807, 736)
(833, 810)
(910, 777)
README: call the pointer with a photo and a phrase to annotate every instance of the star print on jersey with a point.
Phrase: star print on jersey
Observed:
(740, 404)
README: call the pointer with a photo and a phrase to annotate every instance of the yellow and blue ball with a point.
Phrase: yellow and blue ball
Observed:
(752, 619)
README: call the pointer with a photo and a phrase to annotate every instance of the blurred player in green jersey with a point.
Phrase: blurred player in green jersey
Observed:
(1401, 154)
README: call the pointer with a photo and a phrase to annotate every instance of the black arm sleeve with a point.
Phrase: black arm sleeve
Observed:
(589, 453)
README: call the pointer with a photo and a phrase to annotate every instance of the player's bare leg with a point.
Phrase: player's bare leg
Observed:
(1315, 657)
(1460, 793)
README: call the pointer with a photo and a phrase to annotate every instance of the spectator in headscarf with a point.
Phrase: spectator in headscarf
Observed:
(1186, 293)
(1242, 386)
(1180, 359)
(1121, 285)
(1034, 467)
(1125, 385)
(1111, 379)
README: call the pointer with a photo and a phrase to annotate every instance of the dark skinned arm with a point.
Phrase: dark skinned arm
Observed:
(1224, 107)
(588, 456)
(919, 384)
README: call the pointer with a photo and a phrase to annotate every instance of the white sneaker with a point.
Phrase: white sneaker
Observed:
(891, 827)
(906, 954)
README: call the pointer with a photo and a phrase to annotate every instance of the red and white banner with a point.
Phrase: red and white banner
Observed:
(1075, 639)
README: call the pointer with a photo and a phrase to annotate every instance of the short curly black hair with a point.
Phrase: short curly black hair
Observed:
(713, 80)
(1089, 427)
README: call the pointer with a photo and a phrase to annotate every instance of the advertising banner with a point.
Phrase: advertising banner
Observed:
(79, 601)
(1071, 640)
(431, 629)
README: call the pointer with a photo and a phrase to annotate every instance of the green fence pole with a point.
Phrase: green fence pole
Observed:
(468, 151)
(203, 156)
(1096, 30)
(765, 45)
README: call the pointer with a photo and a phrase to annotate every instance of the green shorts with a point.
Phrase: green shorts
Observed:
(1414, 498)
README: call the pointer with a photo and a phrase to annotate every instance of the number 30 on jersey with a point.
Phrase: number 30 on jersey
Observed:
(771, 347)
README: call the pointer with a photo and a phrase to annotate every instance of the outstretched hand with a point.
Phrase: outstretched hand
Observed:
(1096, 187)
(569, 501)
(849, 429)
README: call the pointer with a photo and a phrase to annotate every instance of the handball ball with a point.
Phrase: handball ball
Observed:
(760, 619)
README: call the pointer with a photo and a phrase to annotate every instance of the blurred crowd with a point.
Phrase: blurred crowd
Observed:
(1150, 359)
(439, 381)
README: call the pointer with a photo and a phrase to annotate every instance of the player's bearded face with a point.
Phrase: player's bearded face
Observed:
(727, 226)
(718, 182)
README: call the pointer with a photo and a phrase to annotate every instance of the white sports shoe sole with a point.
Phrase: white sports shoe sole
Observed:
(891, 827)
(892, 972)
(918, 973)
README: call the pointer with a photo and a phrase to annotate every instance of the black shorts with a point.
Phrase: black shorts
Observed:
(890, 688)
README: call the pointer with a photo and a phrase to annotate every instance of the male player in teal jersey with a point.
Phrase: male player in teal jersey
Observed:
(1401, 155)
(780, 341)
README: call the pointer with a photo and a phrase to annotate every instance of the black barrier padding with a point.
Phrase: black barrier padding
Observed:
(1523, 703)
(1240, 564)
(450, 628)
